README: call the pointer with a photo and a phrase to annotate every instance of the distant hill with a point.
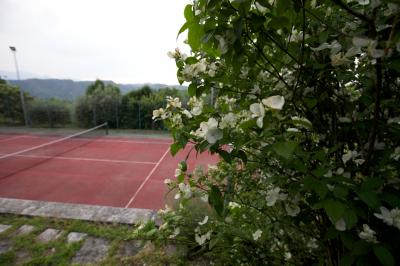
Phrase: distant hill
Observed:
(68, 89)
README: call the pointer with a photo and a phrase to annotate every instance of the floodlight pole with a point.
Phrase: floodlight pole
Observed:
(21, 92)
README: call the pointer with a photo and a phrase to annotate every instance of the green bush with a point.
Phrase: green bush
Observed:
(10, 104)
(51, 113)
(306, 121)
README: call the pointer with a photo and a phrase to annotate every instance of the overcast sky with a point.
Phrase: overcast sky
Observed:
(121, 40)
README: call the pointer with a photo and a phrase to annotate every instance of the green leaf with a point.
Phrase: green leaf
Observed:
(392, 199)
(333, 208)
(285, 149)
(283, 6)
(183, 166)
(188, 13)
(340, 192)
(383, 255)
(316, 186)
(216, 200)
(225, 155)
(151, 232)
(346, 260)
(240, 154)
(195, 35)
(192, 89)
(361, 248)
(350, 217)
(175, 147)
(370, 198)
(182, 29)
(213, 242)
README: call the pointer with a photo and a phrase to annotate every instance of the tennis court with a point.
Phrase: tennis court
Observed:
(99, 170)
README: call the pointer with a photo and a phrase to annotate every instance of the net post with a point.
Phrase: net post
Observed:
(106, 123)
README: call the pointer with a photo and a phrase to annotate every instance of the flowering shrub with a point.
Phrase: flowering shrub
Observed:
(306, 120)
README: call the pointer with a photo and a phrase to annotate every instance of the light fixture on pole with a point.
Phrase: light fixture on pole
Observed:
(21, 92)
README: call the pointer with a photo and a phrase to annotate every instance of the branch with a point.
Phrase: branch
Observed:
(352, 12)
(372, 135)
(326, 24)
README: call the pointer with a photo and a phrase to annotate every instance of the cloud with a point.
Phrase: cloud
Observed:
(123, 40)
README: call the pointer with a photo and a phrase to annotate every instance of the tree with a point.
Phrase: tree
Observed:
(100, 104)
(307, 97)
(51, 112)
(10, 104)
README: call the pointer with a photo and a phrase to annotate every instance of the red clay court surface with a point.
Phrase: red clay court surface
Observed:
(108, 171)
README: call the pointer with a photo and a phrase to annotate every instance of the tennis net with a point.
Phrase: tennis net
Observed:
(29, 157)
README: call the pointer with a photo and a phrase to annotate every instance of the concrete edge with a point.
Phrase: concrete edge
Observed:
(77, 211)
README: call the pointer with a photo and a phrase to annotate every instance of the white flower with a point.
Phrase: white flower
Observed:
(274, 102)
(352, 52)
(173, 102)
(171, 55)
(178, 172)
(392, 8)
(201, 239)
(212, 69)
(177, 54)
(328, 174)
(340, 225)
(292, 209)
(312, 244)
(344, 120)
(228, 121)
(273, 196)
(301, 121)
(394, 120)
(396, 154)
(222, 46)
(175, 233)
(197, 110)
(163, 226)
(360, 41)
(339, 171)
(157, 113)
(368, 234)
(209, 130)
(176, 120)
(330, 187)
(261, 8)
(288, 255)
(197, 105)
(257, 234)
(297, 36)
(339, 59)
(204, 198)
(375, 53)
(258, 111)
(167, 181)
(389, 217)
(335, 47)
(363, 2)
(233, 205)
(359, 162)
(205, 220)
(348, 156)
(186, 190)
(187, 113)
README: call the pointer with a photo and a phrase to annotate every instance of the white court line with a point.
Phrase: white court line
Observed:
(16, 137)
(84, 159)
(49, 143)
(117, 141)
(147, 178)
(126, 141)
